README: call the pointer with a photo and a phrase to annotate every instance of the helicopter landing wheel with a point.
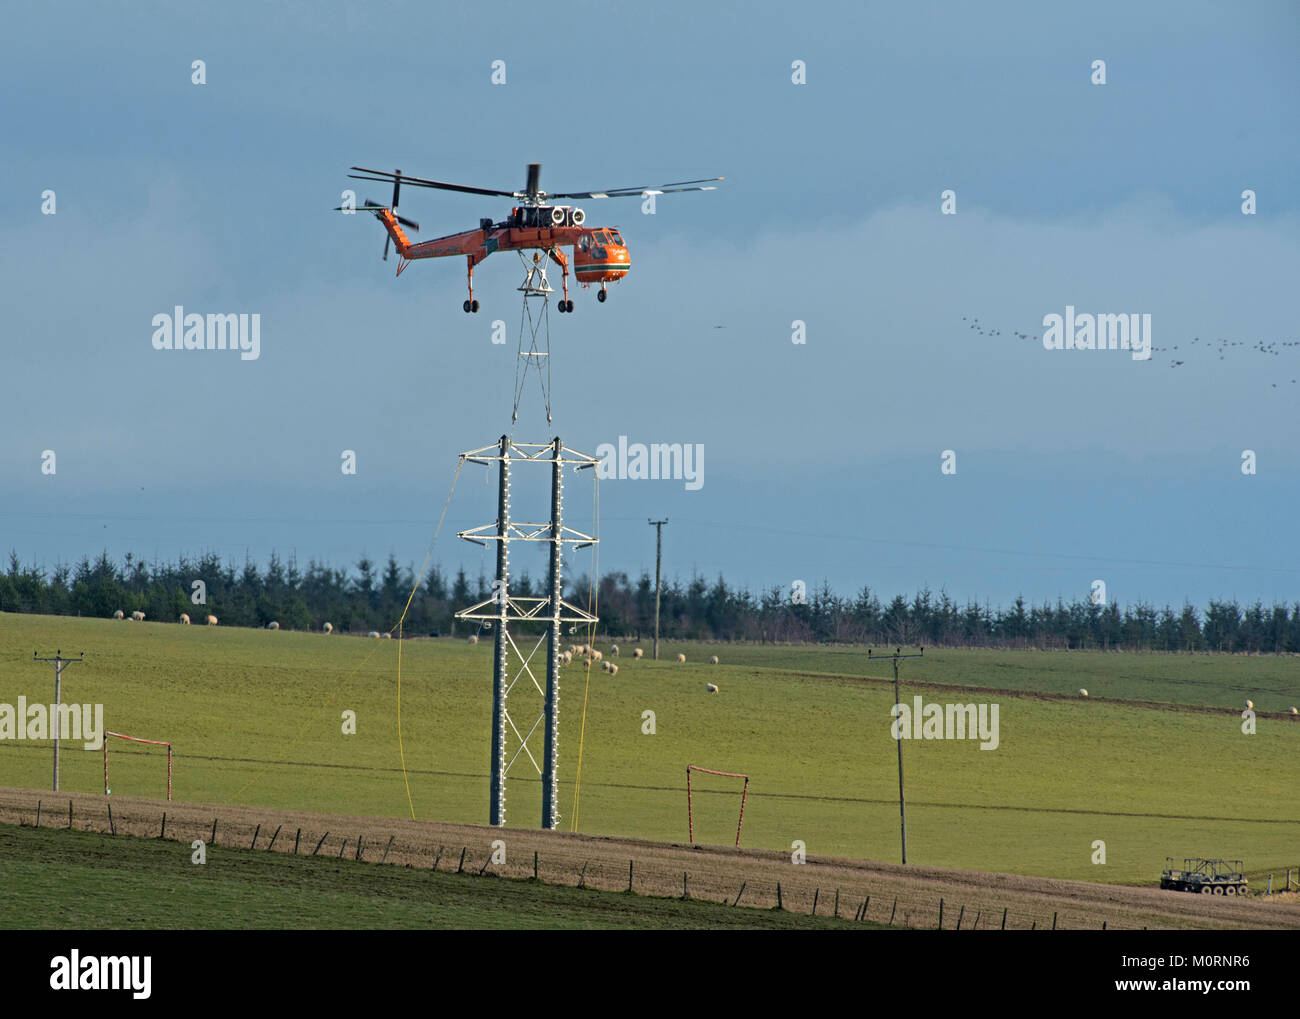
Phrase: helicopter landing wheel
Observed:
(465, 306)
(473, 306)
(601, 295)
(568, 306)
(559, 306)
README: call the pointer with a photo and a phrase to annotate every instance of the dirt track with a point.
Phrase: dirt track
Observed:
(714, 873)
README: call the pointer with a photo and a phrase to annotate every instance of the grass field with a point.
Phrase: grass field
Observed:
(84, 881)
(1154, 763)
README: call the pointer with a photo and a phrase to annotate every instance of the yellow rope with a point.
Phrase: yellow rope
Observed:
(593, 603)
(310, 722)
(401, 750)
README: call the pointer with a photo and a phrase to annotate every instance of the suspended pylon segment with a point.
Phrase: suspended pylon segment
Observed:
(512, 616)
(535, 332)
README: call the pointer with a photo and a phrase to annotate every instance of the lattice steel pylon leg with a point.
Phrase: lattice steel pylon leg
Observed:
(550, 759)
(497, 804)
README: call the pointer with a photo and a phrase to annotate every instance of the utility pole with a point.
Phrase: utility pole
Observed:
(60, 663)
(902, 809)
(658, 525)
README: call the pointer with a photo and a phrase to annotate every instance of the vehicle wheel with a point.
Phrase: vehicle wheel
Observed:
(474, 307)
(600, 296)
(570, 304)
(562, 308)
(1231, 890)
(1218, 889)
(1206, 890)
(466, 307)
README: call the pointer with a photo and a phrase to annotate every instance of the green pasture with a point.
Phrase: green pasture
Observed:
(1154, 763)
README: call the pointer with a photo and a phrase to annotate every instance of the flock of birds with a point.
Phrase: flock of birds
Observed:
(1275, 348)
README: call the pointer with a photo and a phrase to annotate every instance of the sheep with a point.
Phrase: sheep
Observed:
(637, 652)
(374, 634)
(185, 619)
(613, 669)
(472, 639)
(1249, 705)
(711, 687)
(328, 628)
(713, 660)
(273, 625)
(596, 656)
(1082, 692)
(613, 650)
(119, 614)
(565, 658)
(581, 649)
(212, 620)
(681, 657)
(137, 616)
(1295, 710)
(388, 635)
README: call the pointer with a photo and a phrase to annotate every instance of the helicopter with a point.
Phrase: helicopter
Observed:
(599, 253)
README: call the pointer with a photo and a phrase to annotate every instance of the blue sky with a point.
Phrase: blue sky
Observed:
(822, 459)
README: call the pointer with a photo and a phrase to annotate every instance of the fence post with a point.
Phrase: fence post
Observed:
(778, 896)
(740, 893)
(274, 837)
(893, 911)
(111, 826)
(816, 893)
(213, 841)
(387, 848)
(629, 875)
(960, 914)
(1053, 919)
(162, 833)
(837, 903)
(1004, 918)
(256, 832)
(534, 864)
(318, 844)
(941, 912)
(38, 813)
(295, 842)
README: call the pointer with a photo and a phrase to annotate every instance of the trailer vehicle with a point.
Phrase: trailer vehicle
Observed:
(1206, 877)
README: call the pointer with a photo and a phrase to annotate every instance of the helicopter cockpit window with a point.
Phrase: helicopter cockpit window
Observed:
(584, 242)
(617, 239)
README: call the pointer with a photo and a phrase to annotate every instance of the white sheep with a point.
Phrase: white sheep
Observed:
(185, 619)
(613, 650)
(604, 666)
(565, 658)
(388, 635)
(711, 687)
(1295, 710)
(1082, 692)
(328, 628)
(681, 657)
(637, 652)
(374, 634)
(596, 656)
(119, 614)
(273, 625)
(713, 660)
(212, 620)
(137, 616)
(613, 669)
(581, 649)
(472, 639)
(1249, 705)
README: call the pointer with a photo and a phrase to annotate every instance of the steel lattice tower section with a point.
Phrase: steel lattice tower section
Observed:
(550, 612)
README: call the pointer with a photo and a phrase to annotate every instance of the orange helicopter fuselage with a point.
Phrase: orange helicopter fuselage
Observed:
(599, 253)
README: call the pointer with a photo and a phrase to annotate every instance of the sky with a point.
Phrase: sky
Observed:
(912, 439)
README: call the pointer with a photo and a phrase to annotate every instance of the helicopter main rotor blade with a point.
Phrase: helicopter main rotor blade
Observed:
(637, 192)
(421, 182)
